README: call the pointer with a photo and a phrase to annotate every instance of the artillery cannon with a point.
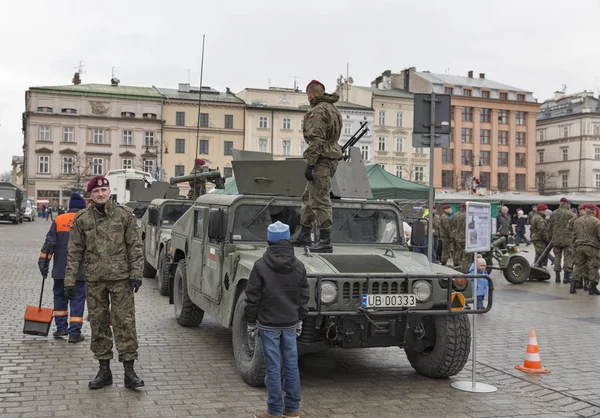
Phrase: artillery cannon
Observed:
(516, 268)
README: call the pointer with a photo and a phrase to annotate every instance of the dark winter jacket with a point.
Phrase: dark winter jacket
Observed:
(503, 224)
(521, 223)
(277, 290)
(57, 241)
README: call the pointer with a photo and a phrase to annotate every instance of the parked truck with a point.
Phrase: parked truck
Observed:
(11, 203)
(120, 181)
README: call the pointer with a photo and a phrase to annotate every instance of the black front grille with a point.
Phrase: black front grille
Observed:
(352, 291)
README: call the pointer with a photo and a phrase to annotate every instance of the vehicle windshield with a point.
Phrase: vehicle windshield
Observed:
(171, 213)
(139, 208)
(369, 226)
(7, 194)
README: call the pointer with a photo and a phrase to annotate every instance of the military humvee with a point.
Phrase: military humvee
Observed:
(370, 292)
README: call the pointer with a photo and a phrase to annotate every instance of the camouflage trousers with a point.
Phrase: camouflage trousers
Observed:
(316, 199)
(458, 252)
(587, 261)
(558, 254)
(539, 247)
(114, 296)
(446, 249)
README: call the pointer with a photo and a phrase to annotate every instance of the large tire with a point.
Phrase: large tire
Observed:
(250, 364)
(451, 350)
(148, 271)
(517, 270)
(163, 281)
(186, 312)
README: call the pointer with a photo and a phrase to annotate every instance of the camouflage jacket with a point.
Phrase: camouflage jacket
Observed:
(560, 234)
(504, 224)
(322, 128)
(586, 230)
(459, 223)
(530, 215)
(445, 225)
(539, 228)
(109, 242)
(436, 225)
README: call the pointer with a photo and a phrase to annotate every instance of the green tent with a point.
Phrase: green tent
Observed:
(387, 186)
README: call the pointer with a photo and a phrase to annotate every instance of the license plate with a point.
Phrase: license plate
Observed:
(389, 301)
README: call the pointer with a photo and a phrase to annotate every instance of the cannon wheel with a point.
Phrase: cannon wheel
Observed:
(517, 270)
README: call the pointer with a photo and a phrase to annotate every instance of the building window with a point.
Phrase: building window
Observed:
(127, 138)
(399, 144)
(502, 137)
(484, 158)
(228, 148)
(203, 146)
(419, 173)
(502, 181)
(484, 136)
(287, 123)
(228, 124)
(97, 166)
(466, 135)
(485, 94)
(597, 153)
(484, 179)
(485, 115)
(541, 134)
(565, 181)
(466, 156)
(148, 139)
(466, 179)
(204, 120)
(127, 163)
(347, 129)
(149, 166)
(302, 147)
(382, 166)
(179, 170)
(520, 97)
(149, 115)
(540, 156)
(520, 181)
(521, 118)
(381, 143)
(540, 181)
(180, 146)
(447, 179)
(564, 130)
(127, 115)
(98, 136)
(286, 147)
(262, 145)
(263, 122)
(447, 155)
(502, 159)
(565, 154)
(227, 172)
(520, 139)
(399, 171)
(67, 166)
(448, 90)
(44, 133)
(68, 135)
(45, 109)
(597, 181)
(69, 111)
(520, 159)
(418, 150)
(382, 117)
(503, 96)
(467, 114)
(44, 164)
(503, 116)
(364, 152)
(180, 118)
(467, 92)
(399, 119)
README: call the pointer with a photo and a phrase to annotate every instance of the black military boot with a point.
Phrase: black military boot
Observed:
(557, 277)
(323, 245)
(573, 287)
(586, 285)
(594, 289)
(104, 376)
(567, 277)
(303, 239)
(132, 380)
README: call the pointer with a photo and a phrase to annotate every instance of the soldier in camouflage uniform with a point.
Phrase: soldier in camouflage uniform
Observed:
(459, 222)
(539, 232)
(446, 233)
(106, 235)
(586, 240)
(322, 127)
(562, 239)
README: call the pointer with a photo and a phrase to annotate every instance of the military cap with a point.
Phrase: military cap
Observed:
(564, 200)
(462, 205)
(98, 181)
(542, 207)
(315, 82)
(446, 207)
(581, 207)
(591, 207)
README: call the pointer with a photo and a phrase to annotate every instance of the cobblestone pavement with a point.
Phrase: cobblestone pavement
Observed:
(190, 372)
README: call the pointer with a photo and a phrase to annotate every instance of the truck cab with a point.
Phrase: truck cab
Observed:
(11, 203)
(120, 182)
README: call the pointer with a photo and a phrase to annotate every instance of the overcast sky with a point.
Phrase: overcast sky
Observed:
(534, 45)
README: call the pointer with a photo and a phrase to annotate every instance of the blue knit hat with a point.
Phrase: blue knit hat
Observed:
(76, 201)
(277, 232)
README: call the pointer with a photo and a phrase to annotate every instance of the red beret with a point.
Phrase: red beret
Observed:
(591, 207)
(98, 181)
(581, 207)
(315, 82)
(199, 161)
(564, 200)
(462, 205)
(541, 206)
(446, 207)
(434, 207)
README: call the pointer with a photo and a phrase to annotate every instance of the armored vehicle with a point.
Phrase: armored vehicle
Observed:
(370, 292)
(11, 203)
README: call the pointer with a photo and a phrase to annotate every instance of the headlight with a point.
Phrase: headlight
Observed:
(328, 292)
(422, 290)
(460, 284)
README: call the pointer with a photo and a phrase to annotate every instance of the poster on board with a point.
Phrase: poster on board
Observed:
(478, 233)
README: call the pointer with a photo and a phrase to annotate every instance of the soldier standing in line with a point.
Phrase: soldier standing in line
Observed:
(436, 234)
(459, 224)
(322, 128)
(561, 238)
(531, 214)
(107, 235)
(446, 234)
(586, 239)
(539, 232)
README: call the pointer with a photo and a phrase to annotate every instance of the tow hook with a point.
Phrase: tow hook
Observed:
(418, 331)
(333, 337)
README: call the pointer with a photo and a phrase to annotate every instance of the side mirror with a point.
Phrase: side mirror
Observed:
(217, 225)
(153, 216)
(418, 235)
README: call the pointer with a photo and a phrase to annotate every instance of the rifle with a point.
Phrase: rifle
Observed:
(355, 138)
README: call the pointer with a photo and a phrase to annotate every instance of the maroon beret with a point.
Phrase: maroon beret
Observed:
(315, 82)
(98, 181)
(446, 207)
(564, 200)
(462, 205)
(541, 206)
(581, 207)
(591, 207)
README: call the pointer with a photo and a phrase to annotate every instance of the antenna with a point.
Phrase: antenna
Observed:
(79, 68)
(199, 106)
(189, 77)
(113, 72)
(295, 77)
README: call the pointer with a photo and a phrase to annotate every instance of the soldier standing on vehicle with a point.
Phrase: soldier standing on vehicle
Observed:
(539, 232)
(586, 239)
(459, 224)
(504, 225)
(107, 235)
(446, 233)
(562, 239)
(322, 128)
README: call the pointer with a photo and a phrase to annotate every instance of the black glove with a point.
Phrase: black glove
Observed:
(44, 265)
(133, 284)
(309, 173)
(70, 292)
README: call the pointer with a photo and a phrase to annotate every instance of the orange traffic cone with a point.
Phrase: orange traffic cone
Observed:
(533, 361)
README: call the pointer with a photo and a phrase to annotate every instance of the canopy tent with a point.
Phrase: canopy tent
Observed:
(451, 197)
(387, 186)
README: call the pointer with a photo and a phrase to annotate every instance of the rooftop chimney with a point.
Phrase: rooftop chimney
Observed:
(114, 81)
(471, 74)
(76, 80)
(481, 75)
(227, 90)
(184, 87)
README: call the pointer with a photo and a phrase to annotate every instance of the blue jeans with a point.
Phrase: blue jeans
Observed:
(279, 348)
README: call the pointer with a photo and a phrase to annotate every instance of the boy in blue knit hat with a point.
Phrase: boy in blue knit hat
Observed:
(276, 298)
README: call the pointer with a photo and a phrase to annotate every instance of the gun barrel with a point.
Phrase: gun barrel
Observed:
(208, 175)
(499, 242)
(357, 135)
